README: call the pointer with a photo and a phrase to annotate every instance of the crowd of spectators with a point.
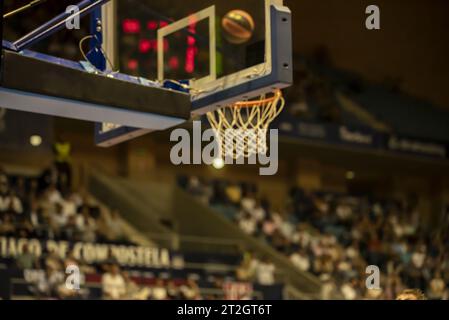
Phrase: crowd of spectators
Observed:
(38, 208)
(48, 279)
(46, 208)
(261, 271)
(117, 284)
(336, 236)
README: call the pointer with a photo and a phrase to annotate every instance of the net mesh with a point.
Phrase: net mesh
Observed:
(241, 128)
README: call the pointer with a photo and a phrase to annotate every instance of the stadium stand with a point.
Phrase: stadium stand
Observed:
(38, 218)
(336, 236)
(202, 232)
(190, 226)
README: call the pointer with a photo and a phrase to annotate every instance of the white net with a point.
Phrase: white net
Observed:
(241, 129)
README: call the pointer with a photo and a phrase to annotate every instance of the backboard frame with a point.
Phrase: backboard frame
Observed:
(275, 73)
(209, 14)
(243, 76)
(62, 87)
(110, 102)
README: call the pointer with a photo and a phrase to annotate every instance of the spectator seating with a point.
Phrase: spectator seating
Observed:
(34, 208)
(336, 236)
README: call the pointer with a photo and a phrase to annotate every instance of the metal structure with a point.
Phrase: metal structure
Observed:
(125, 106)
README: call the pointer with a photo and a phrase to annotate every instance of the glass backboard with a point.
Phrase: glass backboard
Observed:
(226, 50)
(216, 44)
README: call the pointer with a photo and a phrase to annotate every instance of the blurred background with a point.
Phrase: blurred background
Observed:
(363, 179)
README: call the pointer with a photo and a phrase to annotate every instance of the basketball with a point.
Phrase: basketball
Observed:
(238, 26)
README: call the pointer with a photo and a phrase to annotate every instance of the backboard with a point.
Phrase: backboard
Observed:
(170, 61)
(53, 62)
(226, 51)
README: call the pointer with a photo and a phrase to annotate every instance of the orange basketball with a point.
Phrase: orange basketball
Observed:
(238, 26)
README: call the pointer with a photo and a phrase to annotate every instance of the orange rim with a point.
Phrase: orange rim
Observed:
(252, 103)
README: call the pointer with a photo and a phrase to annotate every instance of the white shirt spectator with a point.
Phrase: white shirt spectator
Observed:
(328, 287)
(68, 207)
(159, 293)
(329, 239)
(265, 273)
(352, 252)
(333, 251)
(34, 219)
(258, 213)
(4, 194)
(348, 292)
(278, 219)
(4, 203)
(248, 225)
(303, 238)
(344, 266)
(418, 259)
(54, 196)
(355, 233)
(317, 247)
(377, 209)
(248, 204)
(77, 199)
(397, 227)
(373, 294)
(437, 288)
(287, 229)
(114, 225)
(80, 221)
(300, 261)
(11, 202)
(190, 290)
(344, 212)
(114, 286)
(60, 219)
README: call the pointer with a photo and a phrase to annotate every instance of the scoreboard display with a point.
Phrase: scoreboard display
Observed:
(187, 51)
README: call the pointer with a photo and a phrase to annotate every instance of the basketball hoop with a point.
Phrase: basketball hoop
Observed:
(241, 128)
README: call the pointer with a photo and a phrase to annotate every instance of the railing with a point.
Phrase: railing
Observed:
(218, 235)
(204, 291)
(178, 242)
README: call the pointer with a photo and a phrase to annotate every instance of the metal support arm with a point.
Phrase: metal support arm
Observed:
(56, 24)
